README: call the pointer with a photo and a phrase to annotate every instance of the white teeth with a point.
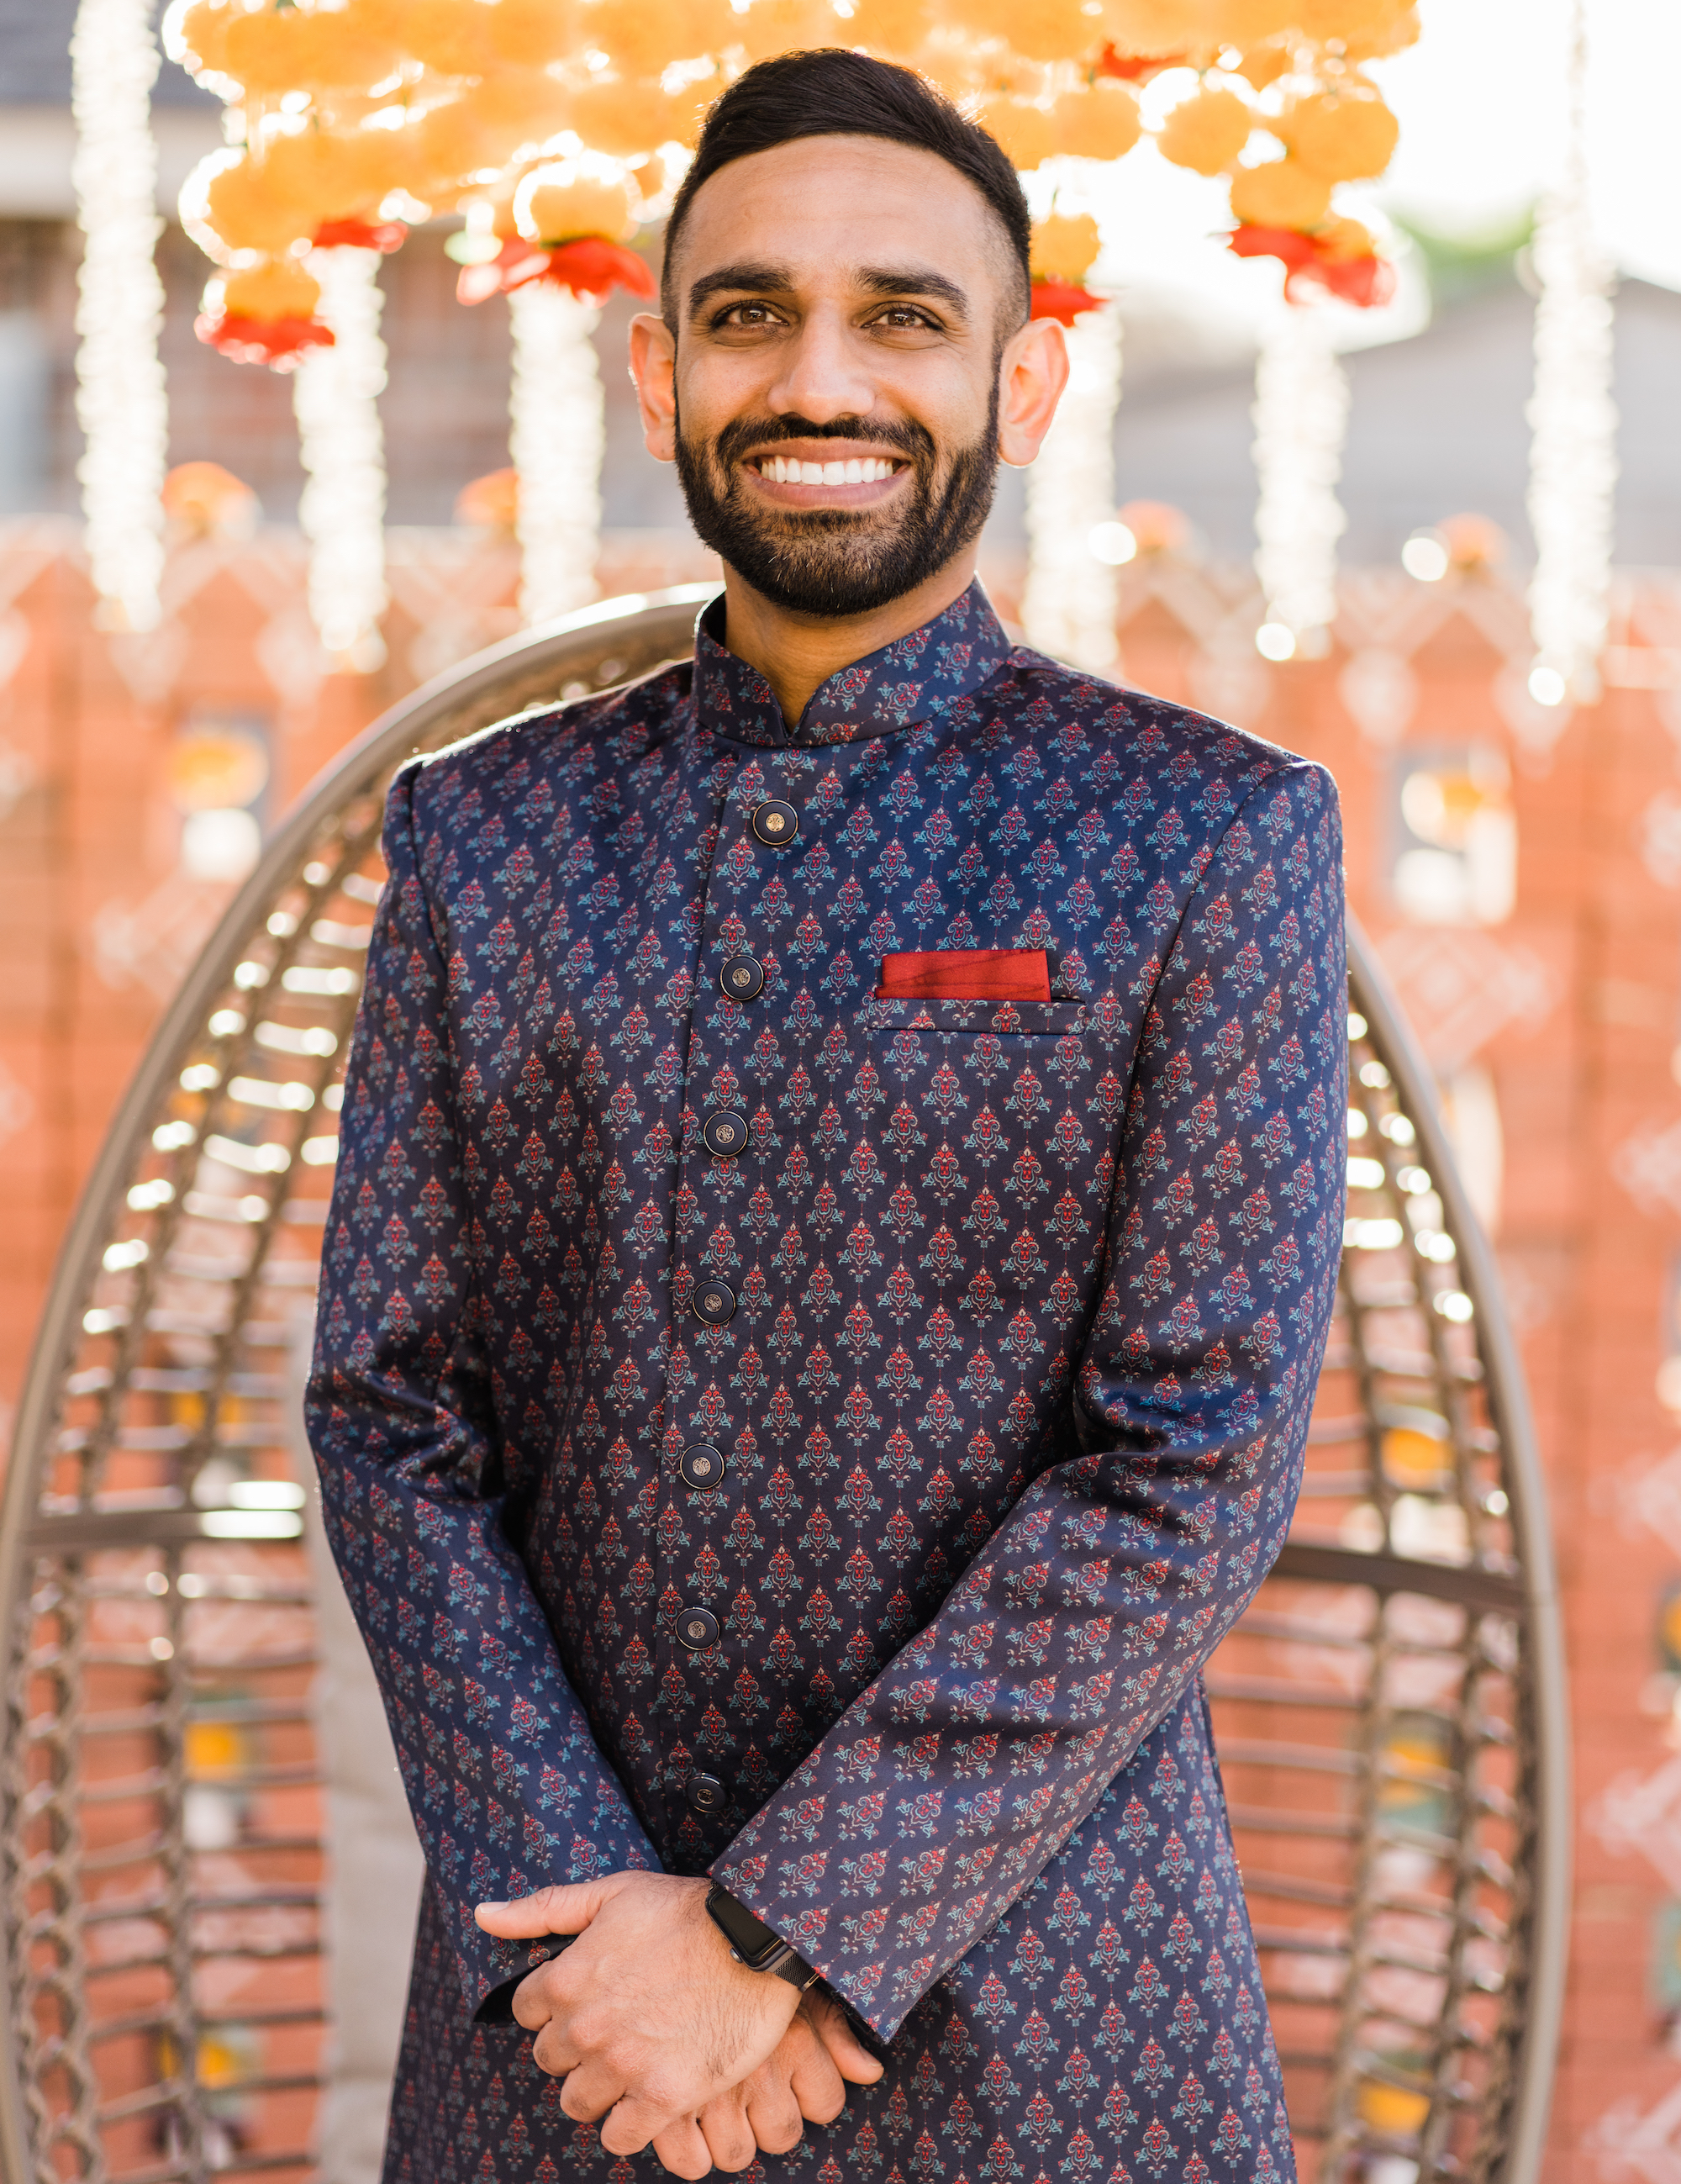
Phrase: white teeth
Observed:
(867, 470)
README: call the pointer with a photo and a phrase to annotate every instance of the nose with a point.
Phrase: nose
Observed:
(823, 373)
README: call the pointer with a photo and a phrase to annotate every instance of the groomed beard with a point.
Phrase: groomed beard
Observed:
(831, 561)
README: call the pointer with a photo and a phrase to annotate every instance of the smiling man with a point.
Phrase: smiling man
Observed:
(837, 1225)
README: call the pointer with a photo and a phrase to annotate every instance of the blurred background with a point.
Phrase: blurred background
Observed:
(1517, 862)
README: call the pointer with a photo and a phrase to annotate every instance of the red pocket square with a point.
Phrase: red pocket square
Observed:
(966, 974)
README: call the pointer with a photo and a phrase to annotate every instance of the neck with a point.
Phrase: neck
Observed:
(797, 653)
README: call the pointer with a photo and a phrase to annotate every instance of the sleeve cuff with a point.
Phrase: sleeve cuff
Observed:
(497, 2006)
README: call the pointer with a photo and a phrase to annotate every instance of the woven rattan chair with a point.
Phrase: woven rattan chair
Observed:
(1391, 1713)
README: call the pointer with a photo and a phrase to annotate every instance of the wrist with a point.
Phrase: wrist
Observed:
(755, 1945)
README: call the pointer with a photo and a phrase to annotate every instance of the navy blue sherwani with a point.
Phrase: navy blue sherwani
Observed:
(772, 1429)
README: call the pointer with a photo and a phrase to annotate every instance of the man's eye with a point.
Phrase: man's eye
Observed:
(747, 314)
(901, 315)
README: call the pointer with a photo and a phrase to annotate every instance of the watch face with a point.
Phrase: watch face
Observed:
(754, 1942)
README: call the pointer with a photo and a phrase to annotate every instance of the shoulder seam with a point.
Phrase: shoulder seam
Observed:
(529, 715)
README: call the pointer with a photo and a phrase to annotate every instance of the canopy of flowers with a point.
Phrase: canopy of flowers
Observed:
(555, 128)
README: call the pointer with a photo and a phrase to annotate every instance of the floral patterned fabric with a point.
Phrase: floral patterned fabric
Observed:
(1026, 1305)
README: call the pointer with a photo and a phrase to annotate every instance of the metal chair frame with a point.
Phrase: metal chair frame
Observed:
(157, 1618)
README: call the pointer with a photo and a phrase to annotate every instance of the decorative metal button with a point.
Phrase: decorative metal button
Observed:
(714, 1303)
(742, 978)
(697, 1628)
(706, 1794)
(775, 823)
(701, 1466)
(725, 1134)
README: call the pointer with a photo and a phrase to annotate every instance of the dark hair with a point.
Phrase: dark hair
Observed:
(828, 91)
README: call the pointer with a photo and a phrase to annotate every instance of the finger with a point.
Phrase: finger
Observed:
(634, 2122)
(729, 2137)
(852, 2059)
(554, 2051)
(591, 2088)
(815, 2088)
(565, 1908)
(533, 2004)
(682, 2149)
(773, 2113)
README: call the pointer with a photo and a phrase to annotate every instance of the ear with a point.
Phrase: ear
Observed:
(1033, 372)
(653, 361)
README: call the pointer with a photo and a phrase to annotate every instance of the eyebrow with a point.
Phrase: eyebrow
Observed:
(914, 281)
(776, 279)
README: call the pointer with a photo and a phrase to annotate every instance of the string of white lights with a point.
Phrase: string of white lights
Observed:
(1068, 603)
(1301, 416)
(1572, 419)
(121, 398)
(336, 398)
(557, 436)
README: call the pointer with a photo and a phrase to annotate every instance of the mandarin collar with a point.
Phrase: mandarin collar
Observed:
(917, 678)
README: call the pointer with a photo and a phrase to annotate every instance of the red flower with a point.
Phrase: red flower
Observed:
(1135, 67)
(589, 265)
(386, 235)
(1061, 299)
(1366, 280)
(279, 344)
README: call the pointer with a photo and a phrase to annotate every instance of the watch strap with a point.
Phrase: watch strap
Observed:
(760, 1948)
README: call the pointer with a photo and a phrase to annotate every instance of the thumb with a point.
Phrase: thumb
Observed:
(564, 1909)
(846, 2052)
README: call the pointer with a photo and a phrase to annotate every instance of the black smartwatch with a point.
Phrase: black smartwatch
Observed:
(755, 1944)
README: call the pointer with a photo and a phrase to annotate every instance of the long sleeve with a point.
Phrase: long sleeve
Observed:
(1169, 1477)
(508, 1787)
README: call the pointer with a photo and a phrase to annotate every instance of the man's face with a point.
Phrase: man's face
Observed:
(842, 305)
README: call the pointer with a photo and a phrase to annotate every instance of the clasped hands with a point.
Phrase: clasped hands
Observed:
(663, 2037)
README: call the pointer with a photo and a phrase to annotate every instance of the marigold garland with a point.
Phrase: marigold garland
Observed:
(356, 114)
(557, 129)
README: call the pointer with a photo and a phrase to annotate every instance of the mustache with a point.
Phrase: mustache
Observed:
(913, 441)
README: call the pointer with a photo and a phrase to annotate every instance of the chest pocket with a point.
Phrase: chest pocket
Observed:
(997, 1125)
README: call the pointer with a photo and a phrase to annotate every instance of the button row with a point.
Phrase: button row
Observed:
(701, 1466)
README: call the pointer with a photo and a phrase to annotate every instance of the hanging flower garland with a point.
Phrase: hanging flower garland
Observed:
(1300, 414)
(1069, 600)
(334, 396)
(120, 397)
(1572, 460)
(555, 128)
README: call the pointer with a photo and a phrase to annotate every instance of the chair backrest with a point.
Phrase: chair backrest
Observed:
(1391, 1713)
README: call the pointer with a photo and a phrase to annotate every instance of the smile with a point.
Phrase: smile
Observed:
(868, 470)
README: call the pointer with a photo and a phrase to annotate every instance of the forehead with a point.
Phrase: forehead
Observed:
(822, 204)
